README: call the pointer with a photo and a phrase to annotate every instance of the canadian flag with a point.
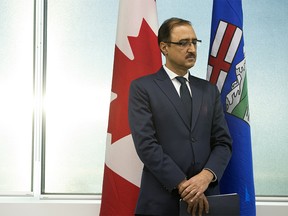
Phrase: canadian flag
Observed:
(136, 54)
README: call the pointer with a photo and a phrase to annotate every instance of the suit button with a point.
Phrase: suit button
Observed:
(193, 139)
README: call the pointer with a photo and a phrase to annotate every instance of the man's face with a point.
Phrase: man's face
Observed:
(181, 58)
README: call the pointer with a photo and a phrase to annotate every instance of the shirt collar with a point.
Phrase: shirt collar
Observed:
(173, 75)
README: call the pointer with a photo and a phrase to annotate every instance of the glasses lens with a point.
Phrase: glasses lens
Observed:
(185, 43)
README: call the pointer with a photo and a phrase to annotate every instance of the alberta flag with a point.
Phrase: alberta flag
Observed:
(227, 69)
(136, 54)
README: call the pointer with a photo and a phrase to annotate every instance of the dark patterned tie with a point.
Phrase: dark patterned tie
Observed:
(185, 96)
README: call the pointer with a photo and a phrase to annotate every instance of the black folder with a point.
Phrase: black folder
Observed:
(219, 205)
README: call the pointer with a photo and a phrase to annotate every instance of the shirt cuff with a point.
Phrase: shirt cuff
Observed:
(214, 175)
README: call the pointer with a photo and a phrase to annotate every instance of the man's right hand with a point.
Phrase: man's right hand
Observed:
(193, 188)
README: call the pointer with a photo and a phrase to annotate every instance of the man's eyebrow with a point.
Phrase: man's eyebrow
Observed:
(187, 39)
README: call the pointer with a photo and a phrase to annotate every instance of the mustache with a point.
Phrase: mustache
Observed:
(191, 55)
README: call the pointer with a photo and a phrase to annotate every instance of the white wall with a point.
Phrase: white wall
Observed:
(92, 208)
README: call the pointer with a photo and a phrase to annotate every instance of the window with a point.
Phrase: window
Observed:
(55, 89)
(16, 96)
(77, 96)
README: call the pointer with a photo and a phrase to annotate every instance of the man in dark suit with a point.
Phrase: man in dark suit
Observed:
(184, 150)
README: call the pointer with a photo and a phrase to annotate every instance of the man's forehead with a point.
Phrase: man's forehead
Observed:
(183, 32)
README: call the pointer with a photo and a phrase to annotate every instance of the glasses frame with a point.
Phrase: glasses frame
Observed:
(185, 43)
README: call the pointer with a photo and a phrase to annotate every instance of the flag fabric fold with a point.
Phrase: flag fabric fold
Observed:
(136, 54)
(227, 70)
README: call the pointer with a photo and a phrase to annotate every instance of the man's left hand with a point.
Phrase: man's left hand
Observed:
(199, 205)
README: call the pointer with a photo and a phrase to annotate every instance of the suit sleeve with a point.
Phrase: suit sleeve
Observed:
(144, 134)
(220, 141)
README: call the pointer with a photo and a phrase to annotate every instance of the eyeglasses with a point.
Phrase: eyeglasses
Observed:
(185, 43)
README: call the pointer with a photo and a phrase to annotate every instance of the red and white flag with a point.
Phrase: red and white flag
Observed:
(136, 54)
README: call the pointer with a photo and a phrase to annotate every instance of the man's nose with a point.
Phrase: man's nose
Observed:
(192, 47)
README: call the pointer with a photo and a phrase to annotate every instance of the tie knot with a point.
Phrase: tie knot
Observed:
(181, 79)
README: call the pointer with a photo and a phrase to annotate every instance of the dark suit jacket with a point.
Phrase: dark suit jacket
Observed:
(169, 147)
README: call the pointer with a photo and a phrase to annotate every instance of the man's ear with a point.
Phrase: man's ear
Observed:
(163, 48)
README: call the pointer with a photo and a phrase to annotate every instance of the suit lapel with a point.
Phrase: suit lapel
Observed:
(197, 95)
(166, 85)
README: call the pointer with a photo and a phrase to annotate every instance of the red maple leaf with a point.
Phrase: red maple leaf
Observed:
(147, 60)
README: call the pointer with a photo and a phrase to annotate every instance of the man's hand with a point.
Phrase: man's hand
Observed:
(191, 189)
(199, 205)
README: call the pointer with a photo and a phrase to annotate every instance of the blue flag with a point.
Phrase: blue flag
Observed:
(227, 70)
